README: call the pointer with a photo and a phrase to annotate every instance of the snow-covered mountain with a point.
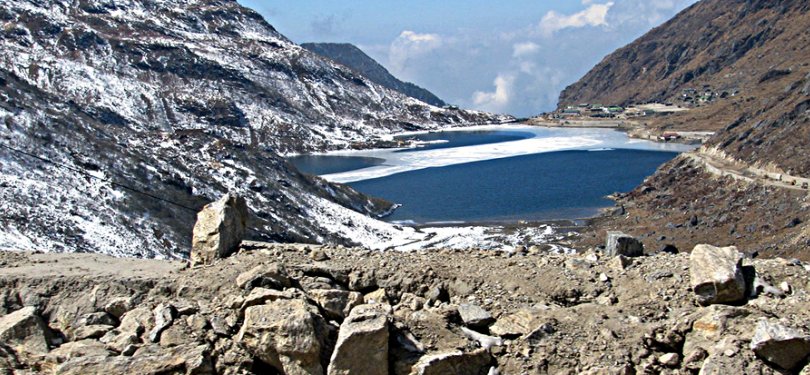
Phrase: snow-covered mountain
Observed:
(122, 118)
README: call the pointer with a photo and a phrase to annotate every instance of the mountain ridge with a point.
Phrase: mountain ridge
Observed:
(354, 58)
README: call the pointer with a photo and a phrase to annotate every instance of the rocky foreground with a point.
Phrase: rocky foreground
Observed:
(302, 309)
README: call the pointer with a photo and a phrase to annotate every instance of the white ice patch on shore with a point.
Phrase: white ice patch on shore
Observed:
(545, 140)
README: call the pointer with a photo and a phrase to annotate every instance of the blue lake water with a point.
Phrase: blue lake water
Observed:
(517, 173)
(556, 185)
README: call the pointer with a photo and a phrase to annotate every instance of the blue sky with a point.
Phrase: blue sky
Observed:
(514, 57)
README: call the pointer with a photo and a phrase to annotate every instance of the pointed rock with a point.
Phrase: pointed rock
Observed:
(219, 230)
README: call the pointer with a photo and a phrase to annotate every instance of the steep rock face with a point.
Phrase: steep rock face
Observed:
(354, 58)
(126, 117)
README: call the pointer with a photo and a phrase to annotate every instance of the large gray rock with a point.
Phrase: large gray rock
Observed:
(286, 334)
(188, 359)
(619, 243)
(24, 331)
(219, 230)
(780, 345)
(716, 274)
(474, 315)
(362, 344)
(478, 362)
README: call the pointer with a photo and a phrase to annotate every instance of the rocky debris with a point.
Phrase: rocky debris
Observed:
(187, 359)
(267, 276)
(164, 316)
(117, 307)
(716, 274)
(377, 296)
(219, 230)
(619, 243)
(669, 359)
(336, 303)
(25, 332)
(550, 318)
(77, 349)
(362, 343)
(484, 341)
(477, 362)
(286, 334)
(93, 331)
(520, 322)
(318, 255)
(474, 315)
(780, 345)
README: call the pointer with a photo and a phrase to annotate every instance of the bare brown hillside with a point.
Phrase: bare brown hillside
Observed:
(743, 67)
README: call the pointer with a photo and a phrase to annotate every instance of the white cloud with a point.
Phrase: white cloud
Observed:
(593, 15)
(499, 99)
(410, 45)
(524, 49)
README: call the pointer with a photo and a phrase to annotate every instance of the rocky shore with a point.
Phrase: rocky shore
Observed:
(303, 309)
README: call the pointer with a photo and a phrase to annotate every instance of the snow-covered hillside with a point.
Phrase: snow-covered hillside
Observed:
(140, 112)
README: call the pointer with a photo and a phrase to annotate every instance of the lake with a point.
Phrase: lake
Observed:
(502, 174)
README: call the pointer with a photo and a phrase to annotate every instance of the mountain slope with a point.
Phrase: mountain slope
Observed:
(357, 60)
(120, 119)
(758, 50)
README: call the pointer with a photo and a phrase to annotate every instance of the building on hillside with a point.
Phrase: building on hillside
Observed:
(669, 136)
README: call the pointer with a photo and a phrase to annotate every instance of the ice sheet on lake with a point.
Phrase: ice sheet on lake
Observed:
(545, 140)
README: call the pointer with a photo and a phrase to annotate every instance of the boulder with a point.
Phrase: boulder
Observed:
(92, 331)
(619, 243)
(670, 359)
(164, 316)
(270, 276)
(477, 362)
(77, 349)
(219, 230)
(362, 344)
(716, 274)
(336, 304)
(137, 321)
(117, 307)
(783, 346)
(24, 331)
(474, 315)
(377, 296)
(286, 334)
(188, 359)
(519, 323)
(260, 296)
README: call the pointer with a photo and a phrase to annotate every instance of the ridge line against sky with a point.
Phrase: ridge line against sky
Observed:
(512, 58)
